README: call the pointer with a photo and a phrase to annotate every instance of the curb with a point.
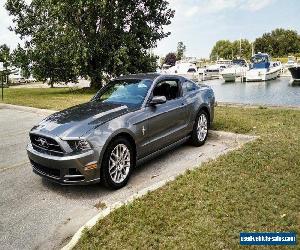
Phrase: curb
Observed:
(27, 109)
(92, 222)
(249, 105)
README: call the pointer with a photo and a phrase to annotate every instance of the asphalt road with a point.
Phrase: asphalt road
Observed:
(37, 214)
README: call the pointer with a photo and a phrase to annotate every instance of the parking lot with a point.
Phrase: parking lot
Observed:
(35, 213)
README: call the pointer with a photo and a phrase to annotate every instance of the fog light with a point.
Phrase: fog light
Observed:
(90, 166)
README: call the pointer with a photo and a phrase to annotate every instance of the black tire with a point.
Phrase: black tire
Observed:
(106, 177)
(195, 139)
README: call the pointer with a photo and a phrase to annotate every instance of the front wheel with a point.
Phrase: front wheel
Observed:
(200, 129)
(117, 163)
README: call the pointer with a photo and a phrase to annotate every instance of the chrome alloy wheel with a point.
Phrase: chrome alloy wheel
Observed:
(119, 163)
(202, 127)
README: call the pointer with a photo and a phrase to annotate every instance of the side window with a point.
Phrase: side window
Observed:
(168, 88)
(189, 86)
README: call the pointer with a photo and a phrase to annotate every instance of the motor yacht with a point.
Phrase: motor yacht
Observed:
(262, 68)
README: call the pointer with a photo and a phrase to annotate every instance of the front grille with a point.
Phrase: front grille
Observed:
(45, 145)
(52, 172)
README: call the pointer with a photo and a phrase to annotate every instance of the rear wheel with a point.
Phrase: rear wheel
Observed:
(200, 129)
(117, 163)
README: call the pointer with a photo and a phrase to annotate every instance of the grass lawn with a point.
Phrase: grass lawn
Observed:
(256, 188)
(47, 98)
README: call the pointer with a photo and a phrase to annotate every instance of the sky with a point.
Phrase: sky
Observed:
(200, 23)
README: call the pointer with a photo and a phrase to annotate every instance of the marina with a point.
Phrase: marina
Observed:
(262, 81)
(279, 92)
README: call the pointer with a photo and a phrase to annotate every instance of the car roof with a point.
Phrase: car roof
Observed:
(151, 76)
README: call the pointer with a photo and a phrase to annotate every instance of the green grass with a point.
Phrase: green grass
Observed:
(47, 98)
(255, 188)
(281, 59)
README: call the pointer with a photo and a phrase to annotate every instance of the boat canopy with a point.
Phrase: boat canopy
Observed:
(240, 62)
(260, 61)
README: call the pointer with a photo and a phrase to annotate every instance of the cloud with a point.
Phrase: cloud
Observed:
(255, 5)
(192, 11)
(215, 6)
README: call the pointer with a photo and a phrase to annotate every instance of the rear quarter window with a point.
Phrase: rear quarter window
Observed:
(189, 86)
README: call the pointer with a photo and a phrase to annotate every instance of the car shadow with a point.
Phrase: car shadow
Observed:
(96, 191)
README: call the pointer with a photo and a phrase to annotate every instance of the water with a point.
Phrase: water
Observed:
(279, 92)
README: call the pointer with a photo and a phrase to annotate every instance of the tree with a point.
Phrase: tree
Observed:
(5, 55)
(222, 49)
(19, 59)
(161, 61)
(230, 50)
(170, 59)
(181, 48)
(278, 43)
(241, 48)
(90, 38)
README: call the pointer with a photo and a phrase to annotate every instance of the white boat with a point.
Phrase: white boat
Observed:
(182, 68)
(188, 70)
(213, 71)
(224, 62)
(262, 68)
(209, 73)
(237, 69)
(291, 62)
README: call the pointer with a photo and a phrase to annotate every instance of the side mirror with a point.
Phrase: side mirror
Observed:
(158, 100)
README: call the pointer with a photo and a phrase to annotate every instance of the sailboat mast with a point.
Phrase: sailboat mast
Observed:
(240, 47)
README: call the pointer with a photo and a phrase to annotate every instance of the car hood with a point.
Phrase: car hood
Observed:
(78, 120)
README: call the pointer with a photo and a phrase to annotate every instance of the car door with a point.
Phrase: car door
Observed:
(167, 122)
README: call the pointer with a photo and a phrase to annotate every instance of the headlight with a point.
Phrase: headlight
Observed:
(79, 145)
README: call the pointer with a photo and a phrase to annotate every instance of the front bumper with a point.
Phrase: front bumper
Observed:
(65, 170)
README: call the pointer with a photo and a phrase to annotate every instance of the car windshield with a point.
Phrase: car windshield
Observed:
(130, 92)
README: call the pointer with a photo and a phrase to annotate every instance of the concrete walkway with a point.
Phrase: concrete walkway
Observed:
(37, 214)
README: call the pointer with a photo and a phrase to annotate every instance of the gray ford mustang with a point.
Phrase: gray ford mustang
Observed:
(128, 121)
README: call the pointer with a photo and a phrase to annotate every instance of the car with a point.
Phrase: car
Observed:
(131, 119)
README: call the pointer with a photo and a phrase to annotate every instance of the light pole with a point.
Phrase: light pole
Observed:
(3, 77)
(2, 84)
